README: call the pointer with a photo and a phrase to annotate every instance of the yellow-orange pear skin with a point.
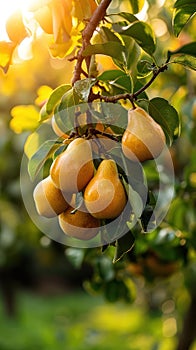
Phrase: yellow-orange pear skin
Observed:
(73, 169)
(79, 224)
(143, 138)
(104, 196)
(49, 200)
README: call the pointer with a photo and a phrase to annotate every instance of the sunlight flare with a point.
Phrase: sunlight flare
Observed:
(7, 8)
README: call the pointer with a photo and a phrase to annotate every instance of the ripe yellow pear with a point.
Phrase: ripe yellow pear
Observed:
(79, 224)
(73, 169)
(143, 139)
(49, 200)
(105, 196)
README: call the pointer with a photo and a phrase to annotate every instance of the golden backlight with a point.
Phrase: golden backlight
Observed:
(7, 7)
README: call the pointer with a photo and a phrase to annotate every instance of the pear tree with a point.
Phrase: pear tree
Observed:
(102, 153)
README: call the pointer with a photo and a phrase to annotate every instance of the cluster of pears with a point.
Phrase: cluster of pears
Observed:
(104, 196)
(71, 172)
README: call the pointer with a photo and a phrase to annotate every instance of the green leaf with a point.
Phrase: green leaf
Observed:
(135, 185)
(37, 138)
(111, 75)
(75, 256)
(185, 60)
(138, 85)
(188, 49)
(142, 33)
(69, 99)
(127, 16)
(123, 246)
(55, 97)
(148, 220)
(165, 115)
(65, 115)
(112, 49)
(83, 88)
(182, 16)
(132, 53)
(136, 202)
(136, 5)
(105, 268)
(116, 290)
(108, 35)
(38, 159)
(117, 78)
(182, 3)
(186, 55)
(144, 68)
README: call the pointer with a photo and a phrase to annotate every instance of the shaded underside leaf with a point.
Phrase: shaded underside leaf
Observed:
(166, 115)
(132, 53)
(108, 35)
(188, 49)
(38, 159)
(185, 55)
(185, 60)
(123, 246)
(117, 78)
(127, 16)
(37, 138)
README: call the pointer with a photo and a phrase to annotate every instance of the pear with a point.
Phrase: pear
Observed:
(73, 169)
(104, 195)
(143, 138)
(49, 200)
(78, 224)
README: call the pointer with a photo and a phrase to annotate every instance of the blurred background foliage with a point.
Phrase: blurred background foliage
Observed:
(42, 282)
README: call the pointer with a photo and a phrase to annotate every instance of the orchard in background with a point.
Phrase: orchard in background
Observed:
(102, 134)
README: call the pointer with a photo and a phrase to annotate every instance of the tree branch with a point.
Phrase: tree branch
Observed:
(130, 96)
(97, 16)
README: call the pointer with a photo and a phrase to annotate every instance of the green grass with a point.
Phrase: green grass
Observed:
(77, 321)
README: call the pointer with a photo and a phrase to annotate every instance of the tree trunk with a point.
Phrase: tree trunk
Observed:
(8, 292)
(188, 333)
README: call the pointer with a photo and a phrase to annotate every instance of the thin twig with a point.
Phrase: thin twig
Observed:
(127, 95)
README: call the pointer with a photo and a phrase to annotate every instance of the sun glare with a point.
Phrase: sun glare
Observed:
(7, 7)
